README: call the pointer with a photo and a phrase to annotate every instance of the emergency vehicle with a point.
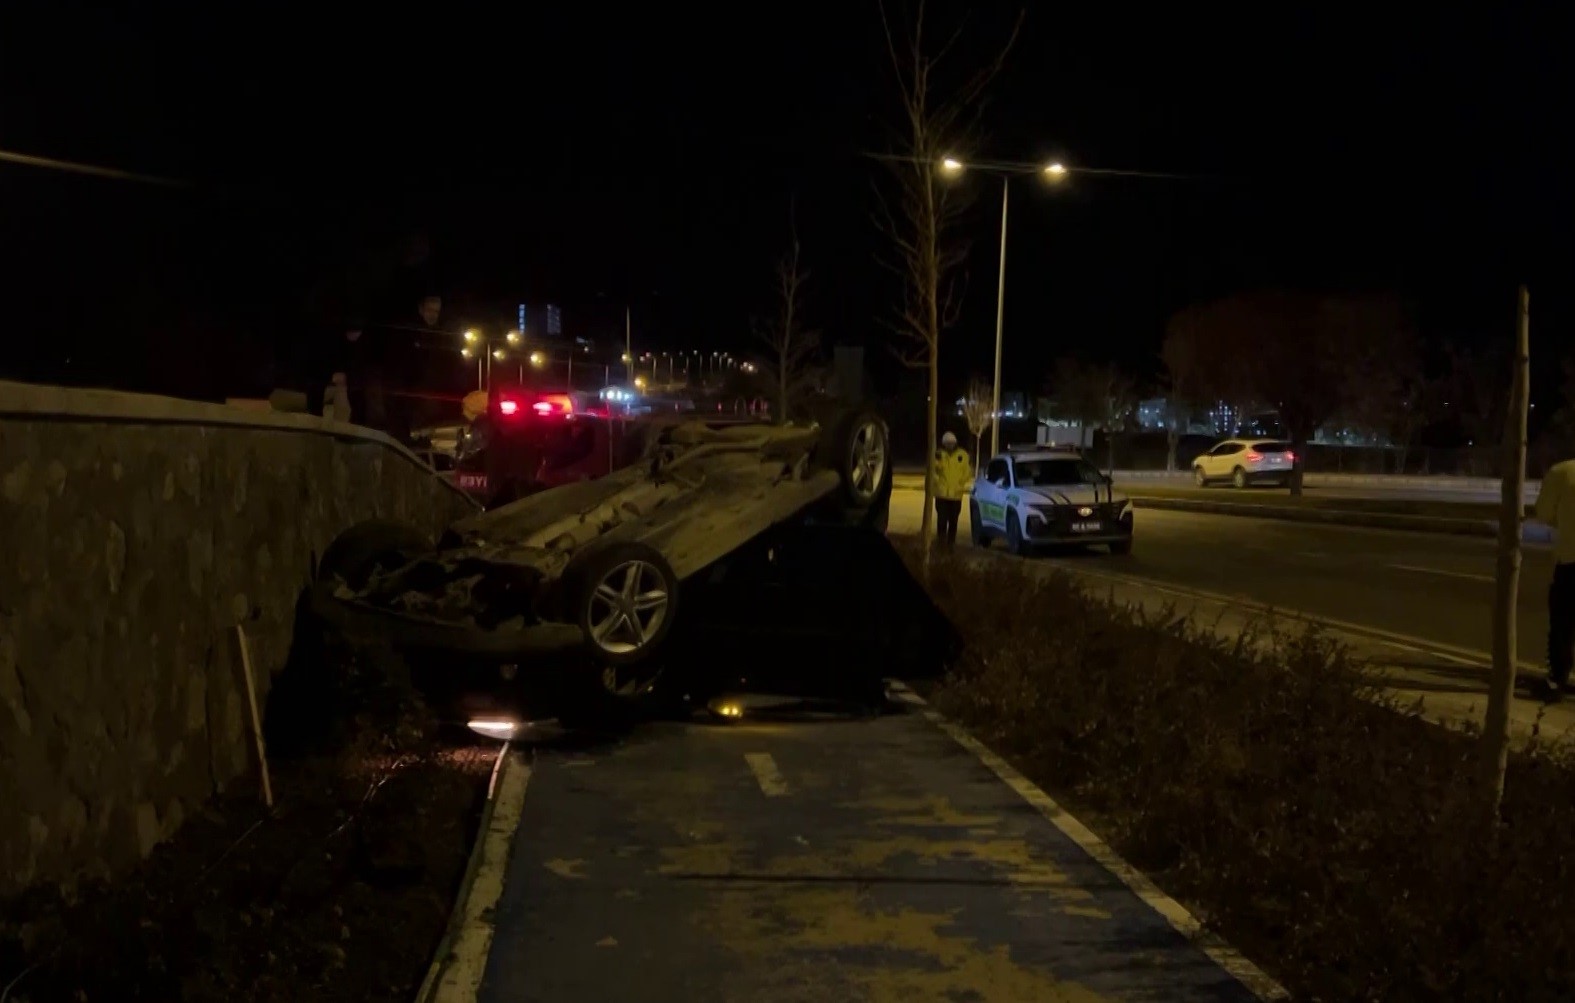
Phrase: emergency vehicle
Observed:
(1041, 496)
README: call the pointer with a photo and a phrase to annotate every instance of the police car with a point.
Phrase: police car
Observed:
(1039, 496)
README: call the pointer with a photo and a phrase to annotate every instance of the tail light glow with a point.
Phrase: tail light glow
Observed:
(508, 407)
(553, 404)
(1253, 456)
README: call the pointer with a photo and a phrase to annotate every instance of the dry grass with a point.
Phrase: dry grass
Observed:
(1325, 831)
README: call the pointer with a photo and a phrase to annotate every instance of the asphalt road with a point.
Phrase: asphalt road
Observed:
(1432, 587)
(871, 860)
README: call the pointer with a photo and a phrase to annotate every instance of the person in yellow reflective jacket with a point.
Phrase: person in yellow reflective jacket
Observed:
(951, 477)
(1556, 507)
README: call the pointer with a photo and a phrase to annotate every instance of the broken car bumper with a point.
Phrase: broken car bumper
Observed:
(358, 620)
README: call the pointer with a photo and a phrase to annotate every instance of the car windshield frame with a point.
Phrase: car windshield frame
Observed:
(1086, 473)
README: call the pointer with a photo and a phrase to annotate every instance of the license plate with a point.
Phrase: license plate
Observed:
(1087, 527)
(473, 482)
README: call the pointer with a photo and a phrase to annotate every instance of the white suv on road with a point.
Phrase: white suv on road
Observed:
(1043, 496)
(1244, 462)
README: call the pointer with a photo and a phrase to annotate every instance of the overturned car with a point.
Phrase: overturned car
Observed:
(570, 594)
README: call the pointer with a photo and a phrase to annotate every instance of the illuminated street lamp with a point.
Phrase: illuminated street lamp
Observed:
(471, 335)
(513, 337)
(467, 353)
(1054, 171)
(537, 359)
(499, 354)
(639, 382)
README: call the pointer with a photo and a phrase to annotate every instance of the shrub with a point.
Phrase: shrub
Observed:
(1327, 832)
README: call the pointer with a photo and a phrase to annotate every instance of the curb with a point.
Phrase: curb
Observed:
(1530, 532)
(461, 956)
(1230, 960)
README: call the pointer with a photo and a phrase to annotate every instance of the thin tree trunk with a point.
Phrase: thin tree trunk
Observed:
(1299, 464)
(925, 522)
(1501, 690)
(1172, 440)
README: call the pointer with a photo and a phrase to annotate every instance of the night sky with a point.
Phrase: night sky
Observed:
(594, 157)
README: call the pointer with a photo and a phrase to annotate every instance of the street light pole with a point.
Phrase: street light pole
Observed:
(1000, 319)
(1054, 171)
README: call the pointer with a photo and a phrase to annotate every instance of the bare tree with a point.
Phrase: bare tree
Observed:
(1100, 397)
(979, 410)
(1478, 396)
(1292, 351)
(921, 214)
(1506, 578)
(1183, 378)
(1389, 396)
(792, 347)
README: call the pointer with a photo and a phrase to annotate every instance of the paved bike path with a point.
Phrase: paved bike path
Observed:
(837, 860)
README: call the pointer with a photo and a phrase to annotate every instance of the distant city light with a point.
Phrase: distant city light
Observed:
(537, 359)
(470, 335)
(513, 337)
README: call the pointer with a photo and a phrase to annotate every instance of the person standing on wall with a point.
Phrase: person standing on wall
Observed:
(951, 476)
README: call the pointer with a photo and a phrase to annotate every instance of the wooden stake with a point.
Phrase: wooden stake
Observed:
(251, 701)
(1501, 688)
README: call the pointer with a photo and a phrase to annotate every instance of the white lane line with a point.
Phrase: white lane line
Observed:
(455, 976)
(1174, 913)
(1405, 642)
(1440, 571)
(766, 774)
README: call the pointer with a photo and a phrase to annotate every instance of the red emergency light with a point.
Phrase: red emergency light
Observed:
(540, 406)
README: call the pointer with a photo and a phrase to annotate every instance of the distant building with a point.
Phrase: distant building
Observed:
(1153, 413)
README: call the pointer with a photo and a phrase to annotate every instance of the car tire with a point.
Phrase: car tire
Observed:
(1199, 478)
(976, 527)
(1238, 477)
(858, 447)
(1121, 548)
(367, 547)
(1014, 534)
(623, 597)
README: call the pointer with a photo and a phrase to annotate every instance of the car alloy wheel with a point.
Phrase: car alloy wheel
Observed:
(628, 607)
(867, 461)
(1239, 478)
(1197, 475)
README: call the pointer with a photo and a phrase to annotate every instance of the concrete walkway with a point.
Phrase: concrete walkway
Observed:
(839, 861)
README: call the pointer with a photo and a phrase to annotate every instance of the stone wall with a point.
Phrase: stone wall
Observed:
(135, 534)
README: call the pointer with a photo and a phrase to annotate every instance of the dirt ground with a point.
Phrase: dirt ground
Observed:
(342, 892)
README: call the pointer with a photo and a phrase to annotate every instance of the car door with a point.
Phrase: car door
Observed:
(1218, 461)
(990, 493)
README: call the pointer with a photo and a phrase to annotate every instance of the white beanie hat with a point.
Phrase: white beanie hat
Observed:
(948, 440)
